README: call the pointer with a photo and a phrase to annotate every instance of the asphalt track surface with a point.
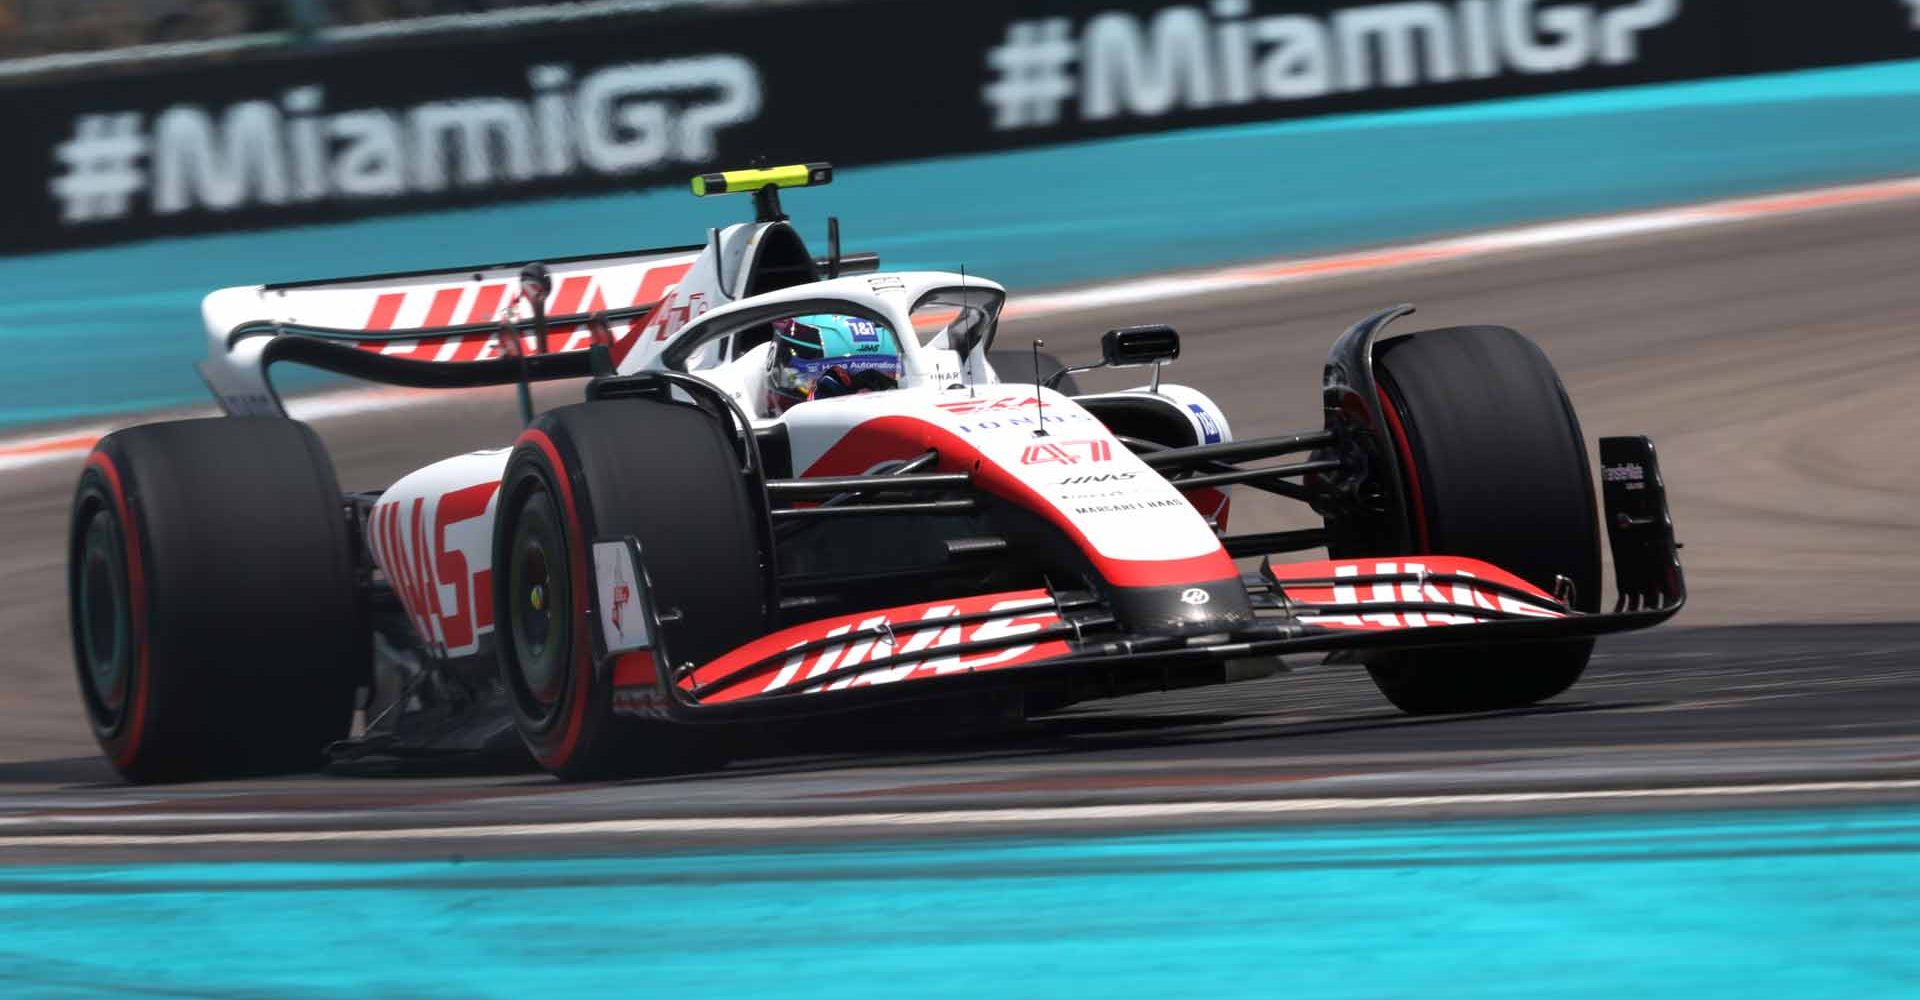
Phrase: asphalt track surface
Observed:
(1775, 363)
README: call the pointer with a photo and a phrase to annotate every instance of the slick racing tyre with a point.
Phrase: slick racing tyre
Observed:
(217, 625)
(1495, 469)
(668, 474)
(1016, 367)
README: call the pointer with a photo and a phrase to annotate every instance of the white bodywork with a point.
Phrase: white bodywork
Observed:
(431, 532)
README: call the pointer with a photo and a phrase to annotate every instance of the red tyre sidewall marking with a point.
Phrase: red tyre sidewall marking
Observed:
(1411, 473)
(577, 566)
(133, 724)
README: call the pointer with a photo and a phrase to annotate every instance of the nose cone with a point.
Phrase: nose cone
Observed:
(1188, 607)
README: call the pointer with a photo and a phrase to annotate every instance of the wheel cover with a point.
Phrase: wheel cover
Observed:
(104, 618)
(540, 607)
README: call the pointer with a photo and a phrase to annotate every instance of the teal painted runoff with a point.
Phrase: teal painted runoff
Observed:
(1687, 907)
(115, 330)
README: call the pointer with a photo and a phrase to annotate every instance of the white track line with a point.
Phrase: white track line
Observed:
(73, 445)
(950, 819)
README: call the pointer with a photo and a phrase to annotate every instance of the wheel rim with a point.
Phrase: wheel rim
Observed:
(104, 619)
(540, 605)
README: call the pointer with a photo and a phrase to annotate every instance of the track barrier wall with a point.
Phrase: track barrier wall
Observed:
(597, 105)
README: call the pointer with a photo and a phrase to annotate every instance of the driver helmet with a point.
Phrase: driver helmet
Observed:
(823, 355)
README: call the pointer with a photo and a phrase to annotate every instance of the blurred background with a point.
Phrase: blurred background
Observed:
(62, 28)
(1704, 210)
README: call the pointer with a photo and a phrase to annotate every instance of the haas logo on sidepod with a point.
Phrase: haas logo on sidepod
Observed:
(439, 561)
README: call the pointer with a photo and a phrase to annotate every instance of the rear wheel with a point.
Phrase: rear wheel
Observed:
(217, 623)
(668, 475)
(1496, 469)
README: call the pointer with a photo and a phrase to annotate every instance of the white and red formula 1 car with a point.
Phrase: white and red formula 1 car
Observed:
(676, 554)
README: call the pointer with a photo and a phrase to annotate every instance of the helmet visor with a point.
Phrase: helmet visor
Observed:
(798, 378)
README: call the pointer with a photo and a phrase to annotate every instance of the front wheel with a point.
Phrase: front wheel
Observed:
(1495, 469)
(666, 474)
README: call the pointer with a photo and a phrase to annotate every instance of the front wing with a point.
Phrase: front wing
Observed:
(1021, 638)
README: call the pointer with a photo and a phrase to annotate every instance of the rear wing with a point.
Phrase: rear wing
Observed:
(436, 329)
(482, 325)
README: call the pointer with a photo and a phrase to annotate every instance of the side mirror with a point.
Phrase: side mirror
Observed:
(1133, 346)
(1130, 347)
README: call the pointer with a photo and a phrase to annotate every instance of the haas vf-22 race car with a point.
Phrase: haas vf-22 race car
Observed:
(799, 486)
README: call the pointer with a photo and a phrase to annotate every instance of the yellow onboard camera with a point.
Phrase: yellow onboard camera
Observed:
(765, 183)
(735, 181)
